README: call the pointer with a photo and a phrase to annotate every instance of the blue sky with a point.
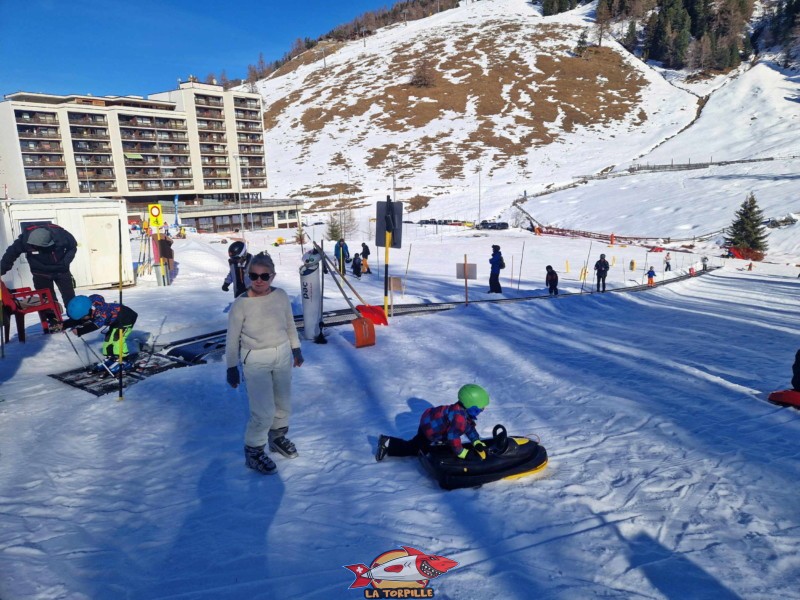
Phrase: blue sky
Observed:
(144, 46)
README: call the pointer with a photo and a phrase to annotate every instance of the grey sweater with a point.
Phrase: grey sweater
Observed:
(258, 323)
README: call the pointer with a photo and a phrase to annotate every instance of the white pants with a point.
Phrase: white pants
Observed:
(268, 376)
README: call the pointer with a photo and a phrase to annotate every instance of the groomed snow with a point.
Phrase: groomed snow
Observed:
(670, 474)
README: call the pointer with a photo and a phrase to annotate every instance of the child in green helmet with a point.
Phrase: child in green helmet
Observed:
(444, 425)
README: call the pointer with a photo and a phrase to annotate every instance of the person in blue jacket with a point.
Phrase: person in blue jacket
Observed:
(496, 261)
(342, 254)
(88, 314)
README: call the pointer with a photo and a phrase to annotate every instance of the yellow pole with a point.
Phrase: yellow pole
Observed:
(388, 242)
(566, 270)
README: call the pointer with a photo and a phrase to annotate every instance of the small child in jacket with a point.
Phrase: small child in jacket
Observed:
(356, 265)
(88, 314)
(651, 277)
(444, 425)
(551, 279)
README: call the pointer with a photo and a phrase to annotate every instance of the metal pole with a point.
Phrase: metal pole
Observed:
(586, 266)
(119, 331)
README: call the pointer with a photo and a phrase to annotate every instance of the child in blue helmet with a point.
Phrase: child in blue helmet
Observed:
(444, 425)
(87, 314)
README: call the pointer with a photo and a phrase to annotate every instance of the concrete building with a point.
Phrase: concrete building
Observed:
(197, 146)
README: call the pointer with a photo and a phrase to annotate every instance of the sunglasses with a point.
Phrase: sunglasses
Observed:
(261, 276)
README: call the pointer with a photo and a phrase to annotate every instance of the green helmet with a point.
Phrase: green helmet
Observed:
(473, 395)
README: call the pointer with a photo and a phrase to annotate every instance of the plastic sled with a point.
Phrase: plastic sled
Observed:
(786, 398)
(507, 458)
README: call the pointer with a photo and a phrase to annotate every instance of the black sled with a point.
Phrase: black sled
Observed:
(507, 458)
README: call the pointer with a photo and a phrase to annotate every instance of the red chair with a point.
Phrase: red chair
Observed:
(21, 301)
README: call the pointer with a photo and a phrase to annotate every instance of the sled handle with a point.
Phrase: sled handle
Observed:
(500, 438)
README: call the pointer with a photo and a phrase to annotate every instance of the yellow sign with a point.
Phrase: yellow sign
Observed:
(156, 218)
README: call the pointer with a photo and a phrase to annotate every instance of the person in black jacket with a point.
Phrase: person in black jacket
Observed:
(49, 249)
(551, 279)
(601, 268)
(365, 259)
(796, 372)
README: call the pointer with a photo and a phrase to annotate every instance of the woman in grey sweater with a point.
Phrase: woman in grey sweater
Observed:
(262, 335)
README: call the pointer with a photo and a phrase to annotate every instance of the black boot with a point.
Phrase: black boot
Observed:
(278, 442)
(256, 459)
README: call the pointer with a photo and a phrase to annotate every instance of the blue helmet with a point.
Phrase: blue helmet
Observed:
(79, 307)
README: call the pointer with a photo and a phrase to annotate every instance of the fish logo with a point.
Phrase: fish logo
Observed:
(406, 568)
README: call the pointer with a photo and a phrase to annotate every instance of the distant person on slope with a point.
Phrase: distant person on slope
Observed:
(365, 259)
(496, 263)
(667, 263)
(49, 250)
(444, 425)
(796, 372)
(238, 265)
(342, 254)
(651, 277)
(601, 268)
(551, 279)
(356, 265)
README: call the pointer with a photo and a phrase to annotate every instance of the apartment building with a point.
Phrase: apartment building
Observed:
(199, 143)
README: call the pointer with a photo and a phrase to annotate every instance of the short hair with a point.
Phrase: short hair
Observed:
(263, 260)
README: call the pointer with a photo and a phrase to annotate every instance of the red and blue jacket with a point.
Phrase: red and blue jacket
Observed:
(446, 424)
(103, 314)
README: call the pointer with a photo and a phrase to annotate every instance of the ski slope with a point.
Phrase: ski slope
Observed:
(670, 474)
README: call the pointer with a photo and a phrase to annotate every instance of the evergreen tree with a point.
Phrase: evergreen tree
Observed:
(629, 41)
(333, 231)
(746, 231)
(583, 44)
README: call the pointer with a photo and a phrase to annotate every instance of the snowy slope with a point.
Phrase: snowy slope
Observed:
(669, 476)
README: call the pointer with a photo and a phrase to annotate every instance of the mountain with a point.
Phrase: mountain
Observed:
(514, 111)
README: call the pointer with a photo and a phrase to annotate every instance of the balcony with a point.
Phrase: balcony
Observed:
(248, 115)
(96, 175)
(48, 188)
(37, 133)
(91, 147)
(254, 183)
(178, 174)
(208, 101)
(251, 150)
(146, 186)
(90, 135)
(216, 162)
(91, 187)
(41, 147)
(206, 126)
(39, 161)
(172, 137)
(213, 138)
(216, 184)
(246, 103)
(167, 149)
(141, 122)
(215, 150)
(143, 174)
(240, 126)
(250, 138)
(135, 134)
(224, 173)
(174, 162)
(46, 175)
(211, 114)
(163, 124)
(37, 118)
(82, 119)
(82, 161)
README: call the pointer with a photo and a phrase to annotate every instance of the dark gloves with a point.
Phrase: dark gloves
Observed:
(233, 377)
(226, 286)
(298, 357)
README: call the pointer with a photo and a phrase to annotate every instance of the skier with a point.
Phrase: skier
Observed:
(365, 252)
(601, 268)
(87, 314)
(444, 425)
(651, 277)
(342, 254)
(239, 263)
(667, 263)
(49, 250)
(551, 279)
(496, 261)
(704, 261)
(356, 265)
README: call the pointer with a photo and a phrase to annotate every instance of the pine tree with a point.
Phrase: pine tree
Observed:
(333, 230)
(746, 231)
(583, 44)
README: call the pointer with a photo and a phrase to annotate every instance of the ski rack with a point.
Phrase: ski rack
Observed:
(196, 349)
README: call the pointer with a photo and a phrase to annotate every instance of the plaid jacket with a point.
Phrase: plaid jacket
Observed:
(446, 424)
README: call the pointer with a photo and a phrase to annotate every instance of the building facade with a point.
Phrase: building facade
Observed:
(200, 145)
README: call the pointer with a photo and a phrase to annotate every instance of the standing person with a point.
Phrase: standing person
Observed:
(365, 259)
(262, 335)
(238, 263)
(90, 313)
(667, 263)
(551, 279)
(796, 372)
(704, 261)
(496, 261)
(601, 268)
(651, 277)
(49, 249)
(166, 252)
(356, 266)
(342, 254)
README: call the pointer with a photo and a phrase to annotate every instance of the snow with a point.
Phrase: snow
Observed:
(670, 475)
(665, 457)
